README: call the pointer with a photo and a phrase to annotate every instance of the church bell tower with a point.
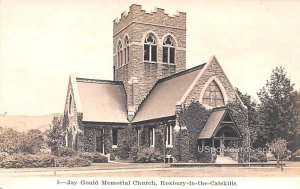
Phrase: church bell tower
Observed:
(146, 48)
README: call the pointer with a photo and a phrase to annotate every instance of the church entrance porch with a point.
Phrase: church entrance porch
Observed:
(220, 134)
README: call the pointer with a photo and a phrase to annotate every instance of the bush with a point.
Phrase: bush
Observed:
(43, 160)
(75, 161)
(206, 157)
(94, 157)
(66, 152)
(148, 155)
(297, 153)
(27, 161)
(3, 155)
(256, 156)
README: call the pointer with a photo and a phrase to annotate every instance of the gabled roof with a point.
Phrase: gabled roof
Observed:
(162, 99)
(102, 101)
(213, 123)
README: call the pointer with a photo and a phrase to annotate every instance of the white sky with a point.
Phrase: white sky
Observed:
(43, 41)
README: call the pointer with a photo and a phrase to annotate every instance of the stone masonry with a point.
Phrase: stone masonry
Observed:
(136, 24)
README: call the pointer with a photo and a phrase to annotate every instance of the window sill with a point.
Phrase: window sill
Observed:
(122, 66)
(114, 146)
(169, 146)
(163, 63)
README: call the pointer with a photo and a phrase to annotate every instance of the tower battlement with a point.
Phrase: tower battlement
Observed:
(156, 17)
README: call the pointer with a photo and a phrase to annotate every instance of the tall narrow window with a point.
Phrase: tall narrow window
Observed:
(100, 141)
(213, 96)
(152, 137)
(168, 50)
(115, 137)
(120, 59)
(126, 50)
(150, 49)
(169, 135)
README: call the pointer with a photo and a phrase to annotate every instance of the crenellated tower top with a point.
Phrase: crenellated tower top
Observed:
(157, 17)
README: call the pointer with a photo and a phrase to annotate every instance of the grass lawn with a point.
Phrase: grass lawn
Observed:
(292, 169)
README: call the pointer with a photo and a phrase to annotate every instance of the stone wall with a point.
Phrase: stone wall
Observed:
(91, 130)
(160, 135)
(72, 122)
(214, 70)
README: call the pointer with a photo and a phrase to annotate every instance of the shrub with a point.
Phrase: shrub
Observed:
(297, 153)
(148, 155)
(3, 155)
(206, 157)
(66, 152)
(94, 157)
(27, 161)
(256, 156)
(75, 161)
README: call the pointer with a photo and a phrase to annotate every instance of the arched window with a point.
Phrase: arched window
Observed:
(168, 50)
(120, 59)
(126, 50)
(213, 96)
(150, 49)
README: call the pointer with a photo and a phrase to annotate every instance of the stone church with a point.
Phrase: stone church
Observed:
(150, 86)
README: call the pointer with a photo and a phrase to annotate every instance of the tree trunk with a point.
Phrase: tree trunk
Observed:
(281, 165)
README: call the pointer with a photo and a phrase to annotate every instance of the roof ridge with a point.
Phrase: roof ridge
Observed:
(100, 81)
(181, 73)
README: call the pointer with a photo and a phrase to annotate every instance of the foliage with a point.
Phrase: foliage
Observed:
(256, 156)
(94, 157)
(253, 119)
(194, 117)
(27, 161)
(297, 153)
(9, 140)
(206, 157)
(279, 108)
(279, 147)
(3, 155)
(13, 141)
(43, 160)
(125, 144)
(32, 141)
(66, 152)
(55, 135)
(148, 155)
(75, 161)
(280, 150)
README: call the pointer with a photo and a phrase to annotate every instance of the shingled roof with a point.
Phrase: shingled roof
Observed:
(212, 123)
(162, 99)
(102, 101)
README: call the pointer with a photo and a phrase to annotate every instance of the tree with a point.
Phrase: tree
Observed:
(55, 135)
(279, 108)
(253, 118)
(279, 150)
(32, 141)
(9, 140)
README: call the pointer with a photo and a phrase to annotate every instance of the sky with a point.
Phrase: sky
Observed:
(44, 41)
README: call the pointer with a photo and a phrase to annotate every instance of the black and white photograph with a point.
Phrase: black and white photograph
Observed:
(149, 94)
